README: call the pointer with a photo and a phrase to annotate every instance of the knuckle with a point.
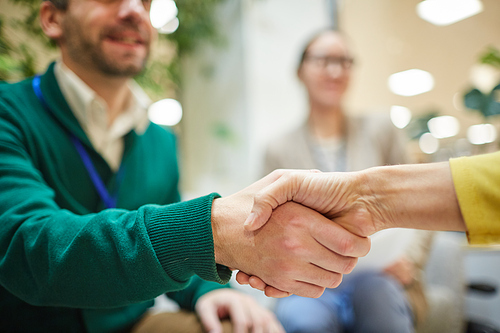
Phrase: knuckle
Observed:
(337, 281)
(291, 245)
(317, 292)
(349, 265)
(346, 246)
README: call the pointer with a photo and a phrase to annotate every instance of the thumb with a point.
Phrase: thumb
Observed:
(210, 320)
(270, 197)
(260, 214)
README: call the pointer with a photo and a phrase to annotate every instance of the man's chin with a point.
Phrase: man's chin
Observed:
(122, 69)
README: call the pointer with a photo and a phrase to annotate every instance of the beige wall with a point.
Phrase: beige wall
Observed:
(389, 37)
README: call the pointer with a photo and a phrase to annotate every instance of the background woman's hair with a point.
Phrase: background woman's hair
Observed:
(314, 37)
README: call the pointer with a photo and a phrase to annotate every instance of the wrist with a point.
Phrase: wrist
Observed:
(419, 196)
(217, 222)
(229, 234)
(375, 189)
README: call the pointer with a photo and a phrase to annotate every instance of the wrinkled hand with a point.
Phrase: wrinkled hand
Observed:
(337, 196)
(403, 270)
(245, 313)
(298, 251)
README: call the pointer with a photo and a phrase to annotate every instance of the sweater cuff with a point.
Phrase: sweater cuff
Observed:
(476, 184)
(181, 235)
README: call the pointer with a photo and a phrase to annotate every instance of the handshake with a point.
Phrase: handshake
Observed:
(298, 232)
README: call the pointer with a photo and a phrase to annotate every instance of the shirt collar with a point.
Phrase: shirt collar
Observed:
(84, 102)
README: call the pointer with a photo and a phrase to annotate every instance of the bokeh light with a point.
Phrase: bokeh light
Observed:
(167, 112)
(411, 82)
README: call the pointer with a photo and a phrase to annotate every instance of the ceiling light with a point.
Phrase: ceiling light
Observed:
(411, 82)
(445, 12)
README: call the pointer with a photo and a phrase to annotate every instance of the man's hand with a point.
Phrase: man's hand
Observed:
(245, 313)
(297, 251)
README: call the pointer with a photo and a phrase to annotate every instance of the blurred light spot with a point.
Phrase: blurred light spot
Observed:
(169, 27)
(411, 82)
(162, 12)
(428, 143)
(484, 77)
(443, 127)
(400, 116)
(445, 12)
(166, 112)
(481, 134)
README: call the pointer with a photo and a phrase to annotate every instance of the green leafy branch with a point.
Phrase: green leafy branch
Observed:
(491, 57)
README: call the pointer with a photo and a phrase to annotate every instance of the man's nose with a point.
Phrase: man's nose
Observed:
(133, 10)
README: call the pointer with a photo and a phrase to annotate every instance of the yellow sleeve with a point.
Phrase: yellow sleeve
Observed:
(477, 184)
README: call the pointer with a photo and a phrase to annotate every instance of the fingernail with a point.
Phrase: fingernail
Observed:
(249, 219)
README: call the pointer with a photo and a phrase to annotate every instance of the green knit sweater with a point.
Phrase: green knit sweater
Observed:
(67, 264)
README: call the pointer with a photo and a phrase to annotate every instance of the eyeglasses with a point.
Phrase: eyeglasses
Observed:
(326, 61)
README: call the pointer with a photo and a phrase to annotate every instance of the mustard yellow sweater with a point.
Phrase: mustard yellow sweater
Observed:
(477, 184)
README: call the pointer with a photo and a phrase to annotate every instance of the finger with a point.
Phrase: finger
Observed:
(209, 318)
(329, 263)
(305, 289)
(259, 318)
(313, 275)
(257, 283)
(239, 318)
(275, 326)
(270, 197)
(338, 239)
(270, 291)
(242, 278)
(269, 179)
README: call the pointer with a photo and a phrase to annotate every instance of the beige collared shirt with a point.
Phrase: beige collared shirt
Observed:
(91, 112)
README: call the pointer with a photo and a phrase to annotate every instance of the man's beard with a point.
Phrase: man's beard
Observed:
(86, 53)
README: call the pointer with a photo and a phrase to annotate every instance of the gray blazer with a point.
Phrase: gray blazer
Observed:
(371, 141)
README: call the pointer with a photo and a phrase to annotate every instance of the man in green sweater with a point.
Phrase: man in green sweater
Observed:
(91, 230)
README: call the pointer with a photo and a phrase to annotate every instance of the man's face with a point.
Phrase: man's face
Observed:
(112, 37)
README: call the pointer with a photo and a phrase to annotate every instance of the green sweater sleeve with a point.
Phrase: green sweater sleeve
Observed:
(52, 257)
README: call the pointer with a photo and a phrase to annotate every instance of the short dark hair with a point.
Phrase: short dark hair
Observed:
(60, 4)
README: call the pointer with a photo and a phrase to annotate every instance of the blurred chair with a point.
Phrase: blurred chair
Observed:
(481, 290)
(446, 289)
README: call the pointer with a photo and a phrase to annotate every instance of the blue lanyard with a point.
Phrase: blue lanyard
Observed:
(108, 199)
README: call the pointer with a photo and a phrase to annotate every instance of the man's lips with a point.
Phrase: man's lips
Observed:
(126, 39)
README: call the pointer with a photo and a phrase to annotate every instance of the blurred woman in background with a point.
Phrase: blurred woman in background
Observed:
(388, 299)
